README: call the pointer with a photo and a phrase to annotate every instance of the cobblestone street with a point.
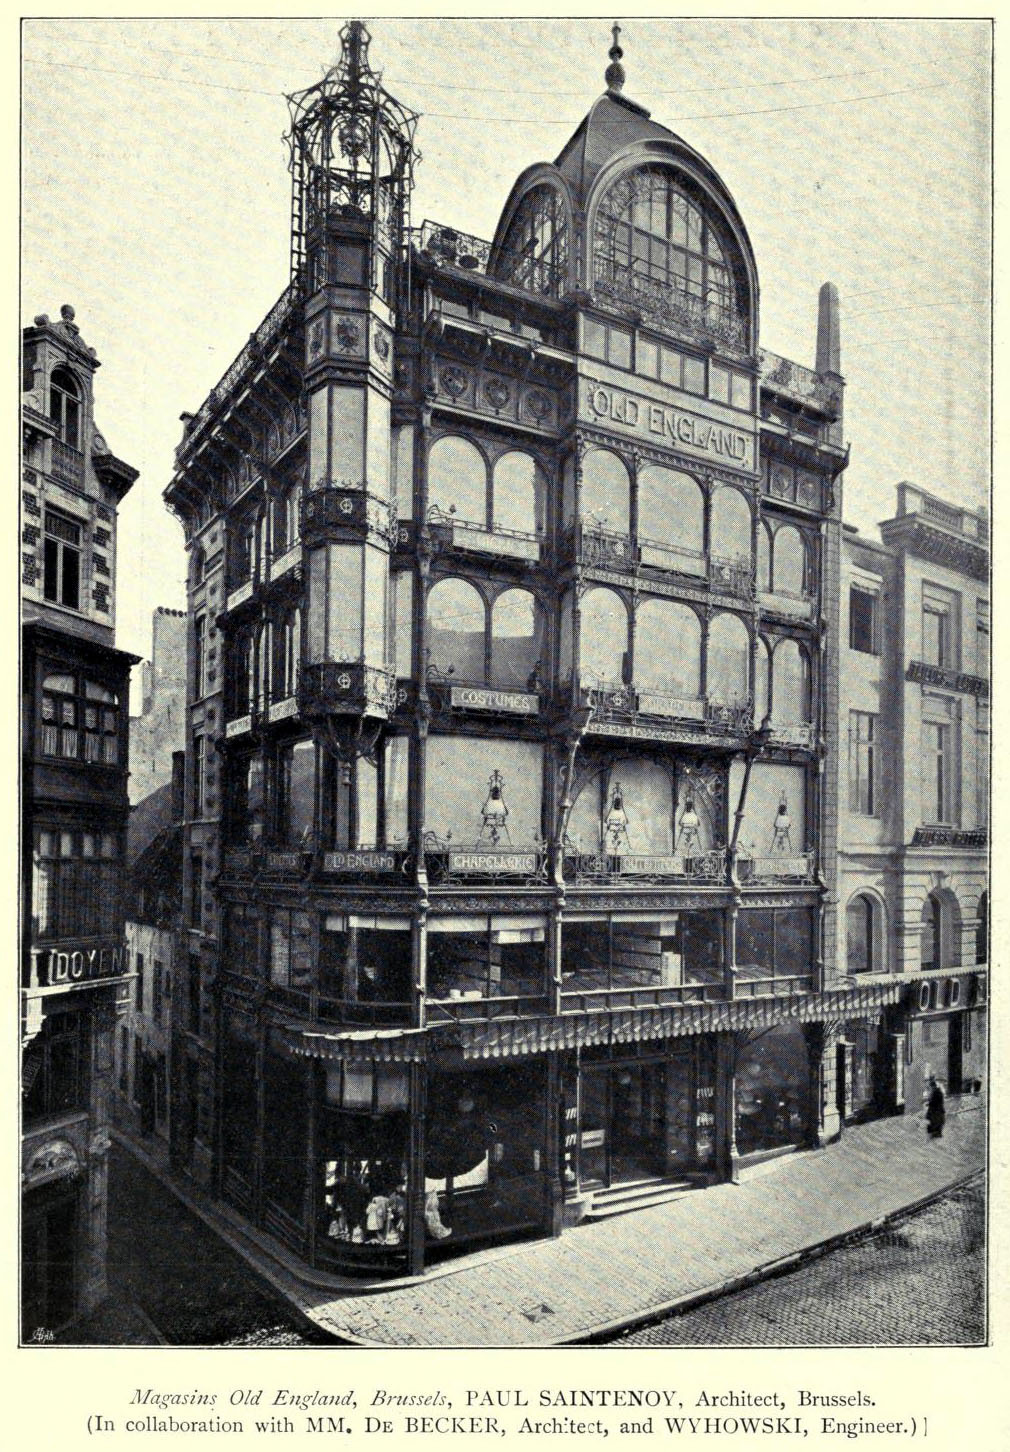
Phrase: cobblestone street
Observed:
(921, 1281)
(169, 1272)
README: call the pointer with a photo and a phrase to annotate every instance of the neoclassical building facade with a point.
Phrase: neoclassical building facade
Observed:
(511, 825)
(914, 778)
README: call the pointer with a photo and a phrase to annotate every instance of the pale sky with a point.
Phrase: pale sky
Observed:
(156, 200)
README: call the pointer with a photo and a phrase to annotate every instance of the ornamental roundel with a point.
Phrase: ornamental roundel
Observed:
(344, 681)
(453, 380)
(381, 344)
(539, 405)
(348, 333)
(496, 393)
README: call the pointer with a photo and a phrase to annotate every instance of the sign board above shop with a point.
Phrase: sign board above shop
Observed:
(476, 698)
(364, 861)
(492, 863)
(713, 439)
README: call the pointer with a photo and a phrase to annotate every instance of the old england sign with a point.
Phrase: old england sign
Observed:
(667, 424)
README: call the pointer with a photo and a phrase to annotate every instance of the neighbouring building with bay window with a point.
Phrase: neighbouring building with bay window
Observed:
(513, 606)
(914, 788)
(75, 703)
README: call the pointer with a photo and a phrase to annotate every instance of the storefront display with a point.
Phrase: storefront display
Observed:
(772, 1088)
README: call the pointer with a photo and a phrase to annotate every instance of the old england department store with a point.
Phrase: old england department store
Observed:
(513, 584)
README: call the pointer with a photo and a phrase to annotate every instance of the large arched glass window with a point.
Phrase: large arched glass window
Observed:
(651, 234)
(534, 254)
(671, 513)
(789, 562)
(762, 682)
(731, 525)
(456, 630)
(764, 560)
(790, 683)
(861, 934)
(604, 638)
(517, 631)
(606, 492)
(65, 406)
(728, 660)
(668, 649)
(517, 505)
(457, 480)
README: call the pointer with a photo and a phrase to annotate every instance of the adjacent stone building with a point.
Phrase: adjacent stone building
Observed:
(75, 703)
(914, 772)
(160, 728)
(513, 597)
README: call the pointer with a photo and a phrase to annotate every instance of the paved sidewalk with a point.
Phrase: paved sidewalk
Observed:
(614, 1272)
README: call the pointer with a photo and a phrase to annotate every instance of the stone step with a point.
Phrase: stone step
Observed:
(635, 1195)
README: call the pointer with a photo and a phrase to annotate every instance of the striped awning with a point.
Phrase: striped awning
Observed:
(506, 1038)
(512, 1037)
(384, 1046)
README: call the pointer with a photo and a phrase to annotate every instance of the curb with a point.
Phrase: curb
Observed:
(769, 1271)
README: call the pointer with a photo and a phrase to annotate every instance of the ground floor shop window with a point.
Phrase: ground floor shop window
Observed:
(285, 1126)
(486, 957)
(362, 1142)
(484, 1152)
(609, 953)
(55, 1073)
(772, 1079)
(238, 1109)
(365, 962)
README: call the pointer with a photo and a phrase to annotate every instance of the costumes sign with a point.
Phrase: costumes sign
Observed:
(663, 423)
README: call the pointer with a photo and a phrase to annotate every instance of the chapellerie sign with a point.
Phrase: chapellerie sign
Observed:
(665, 423)
(493, 862)
(66, 964)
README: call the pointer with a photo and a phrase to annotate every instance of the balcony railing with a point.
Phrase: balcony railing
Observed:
(604, 548)
(678, 708)
(267, 332)
(475, 1006)
(753, 983)
(780, 602)
(793, 733)
(777, 867)
(355, 1014)
(801, 384)
(733, 576)
(586, 869)
(465, 534)
(445, 247)
(663, 556)
(587, 1000)
(662, 303)
(68, 463)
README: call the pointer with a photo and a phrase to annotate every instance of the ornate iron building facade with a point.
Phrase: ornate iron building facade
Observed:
(513, 681)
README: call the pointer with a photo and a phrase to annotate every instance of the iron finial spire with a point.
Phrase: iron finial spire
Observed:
(614, 74)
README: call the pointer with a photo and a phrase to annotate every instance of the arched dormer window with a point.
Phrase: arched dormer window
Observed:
(655, 237)
(534, 254)
(65, 406)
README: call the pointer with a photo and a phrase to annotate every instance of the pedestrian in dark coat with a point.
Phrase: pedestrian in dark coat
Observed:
(936, 1110)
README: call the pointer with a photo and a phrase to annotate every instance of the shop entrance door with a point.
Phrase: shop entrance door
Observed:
(48, 1261)
(622, 1123)
(955, 1053)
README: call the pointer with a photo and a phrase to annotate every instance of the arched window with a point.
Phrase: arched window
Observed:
(789, 562)
(668, 649)
(731, 525)
(606, 492)
(284, 522)
(728, 660)
(456, 630)
(604, 638)
(790, 684)
(457, 480)
(516, 500)
(764, 562)
(931, 933)
(534, 254)
(517, 631)
(65, 406)
(671, 513)
(762, 682)
(651, 235)
(982, 929)
(862, 935)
